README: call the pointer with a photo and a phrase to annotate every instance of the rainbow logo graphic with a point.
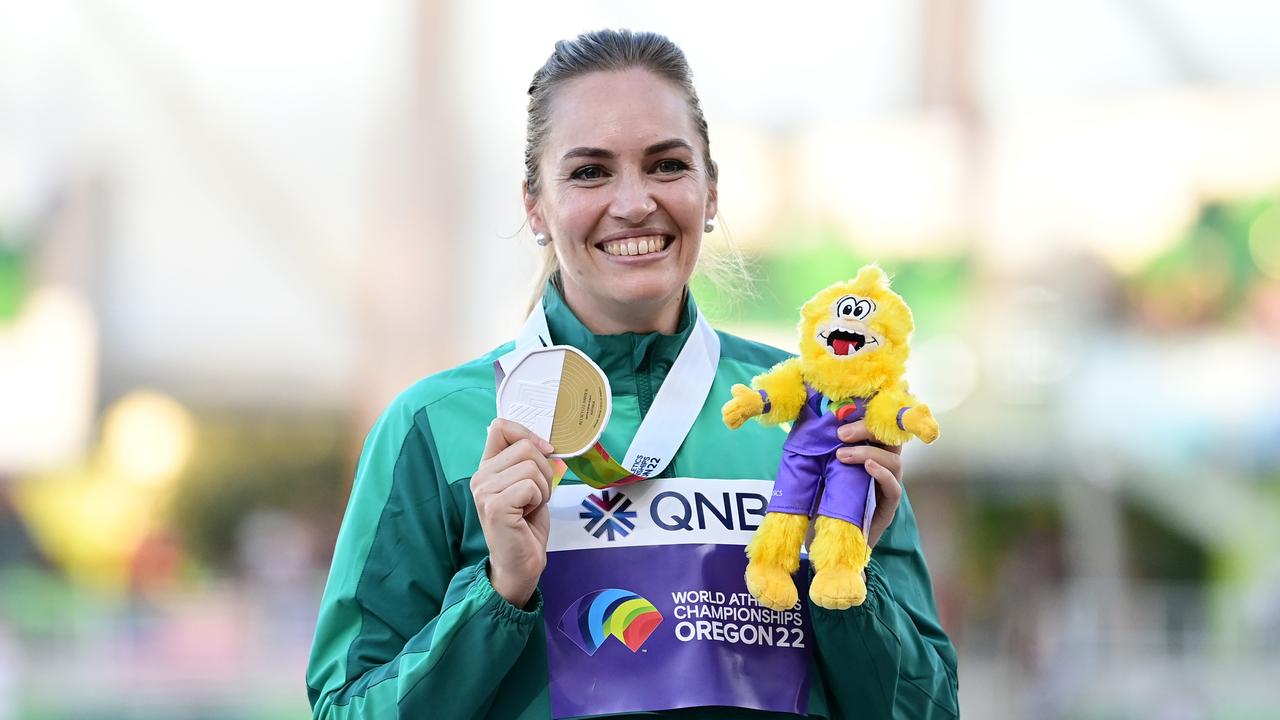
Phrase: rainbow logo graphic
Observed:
(592, 618)
(608, 513)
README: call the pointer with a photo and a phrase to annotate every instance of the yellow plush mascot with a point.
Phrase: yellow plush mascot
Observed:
(853, 352)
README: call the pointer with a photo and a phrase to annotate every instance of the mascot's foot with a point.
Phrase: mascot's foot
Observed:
(838, 554)
(771, 586)
(775, 554)
(838, 588)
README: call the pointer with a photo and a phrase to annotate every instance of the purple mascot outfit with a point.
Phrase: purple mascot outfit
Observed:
(810, 453)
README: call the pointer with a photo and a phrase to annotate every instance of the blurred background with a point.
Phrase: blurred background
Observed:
(231, 232)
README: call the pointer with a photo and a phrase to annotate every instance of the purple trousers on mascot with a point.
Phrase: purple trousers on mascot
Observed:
(809, 464)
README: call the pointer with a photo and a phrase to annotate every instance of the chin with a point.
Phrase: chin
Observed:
(642, 290)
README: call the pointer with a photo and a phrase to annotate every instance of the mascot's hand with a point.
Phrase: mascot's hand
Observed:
(746, 404)
(919, 422)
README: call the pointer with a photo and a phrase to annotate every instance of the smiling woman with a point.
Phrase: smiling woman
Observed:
(625, 211)
(462, 586)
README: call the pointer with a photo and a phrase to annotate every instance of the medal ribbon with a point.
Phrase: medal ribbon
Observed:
(664, 427)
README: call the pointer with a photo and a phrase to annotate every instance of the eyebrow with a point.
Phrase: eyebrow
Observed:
(654, 149)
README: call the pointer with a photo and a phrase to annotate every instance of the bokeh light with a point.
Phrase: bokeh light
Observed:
(147, 438)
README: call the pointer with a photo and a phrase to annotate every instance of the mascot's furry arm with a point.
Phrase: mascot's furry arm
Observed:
(894, 415)
(778, 397)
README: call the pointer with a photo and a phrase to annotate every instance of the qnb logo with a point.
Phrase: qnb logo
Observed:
(607, 513)
(592, 618)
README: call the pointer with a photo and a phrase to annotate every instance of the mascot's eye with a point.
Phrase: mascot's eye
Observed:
(854, 308)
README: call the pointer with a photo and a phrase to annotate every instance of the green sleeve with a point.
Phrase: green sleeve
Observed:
(889, 657)
(404, 629)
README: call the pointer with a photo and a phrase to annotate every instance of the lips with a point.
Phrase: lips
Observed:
(843, 342)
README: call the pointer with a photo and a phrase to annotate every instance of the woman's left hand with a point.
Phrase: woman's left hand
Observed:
(884, 464)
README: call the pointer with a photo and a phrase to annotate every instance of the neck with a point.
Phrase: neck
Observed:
(612, 318)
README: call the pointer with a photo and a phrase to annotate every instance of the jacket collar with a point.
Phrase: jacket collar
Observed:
(620, 356)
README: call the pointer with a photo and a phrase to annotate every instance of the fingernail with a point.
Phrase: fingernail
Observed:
(871, 464)
(546, 446)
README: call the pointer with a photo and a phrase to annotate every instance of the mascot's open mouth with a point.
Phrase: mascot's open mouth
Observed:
(844, 342)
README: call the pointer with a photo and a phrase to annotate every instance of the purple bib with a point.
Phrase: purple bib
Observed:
(646, 609)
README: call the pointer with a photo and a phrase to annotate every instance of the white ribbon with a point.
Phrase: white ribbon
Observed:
(674, 409)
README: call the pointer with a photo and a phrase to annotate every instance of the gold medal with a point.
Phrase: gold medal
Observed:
(559, 394)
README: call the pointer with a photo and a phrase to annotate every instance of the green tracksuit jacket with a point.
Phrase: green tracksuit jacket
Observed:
(409, 626)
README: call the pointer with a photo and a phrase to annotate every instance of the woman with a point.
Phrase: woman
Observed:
(435, 602)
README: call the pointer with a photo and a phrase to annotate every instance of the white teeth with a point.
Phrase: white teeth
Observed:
(635, 246)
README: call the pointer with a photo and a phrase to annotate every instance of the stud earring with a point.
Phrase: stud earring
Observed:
(541, 239)
(710, 226)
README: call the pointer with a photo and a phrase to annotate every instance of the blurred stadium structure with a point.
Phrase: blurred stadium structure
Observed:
(230, 232)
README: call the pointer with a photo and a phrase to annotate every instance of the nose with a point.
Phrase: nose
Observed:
(632, 200)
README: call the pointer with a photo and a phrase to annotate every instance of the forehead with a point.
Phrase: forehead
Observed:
(619, 111)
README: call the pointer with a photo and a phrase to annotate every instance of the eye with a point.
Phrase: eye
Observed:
(854, 308)
(590, 172)
(671, 166)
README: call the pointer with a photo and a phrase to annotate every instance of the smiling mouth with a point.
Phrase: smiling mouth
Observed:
(843, 342)
(636, 246)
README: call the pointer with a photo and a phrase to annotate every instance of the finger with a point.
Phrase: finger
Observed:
(860, 454)
(889, 493)
(857, 432)
(854, 432)
(514, 475)
(885, 481)
(508, 503)
(540, 521)
(522, 498)
(518, 452)
(496, 473)
(494, 476)
(502, 433)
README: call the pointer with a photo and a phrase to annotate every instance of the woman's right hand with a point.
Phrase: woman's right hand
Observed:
(511, 488)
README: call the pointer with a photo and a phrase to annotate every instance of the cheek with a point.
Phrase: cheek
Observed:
(687, 200)
(575, 215)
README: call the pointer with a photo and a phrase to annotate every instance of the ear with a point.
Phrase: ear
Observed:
(531, 211)
(713, 198)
